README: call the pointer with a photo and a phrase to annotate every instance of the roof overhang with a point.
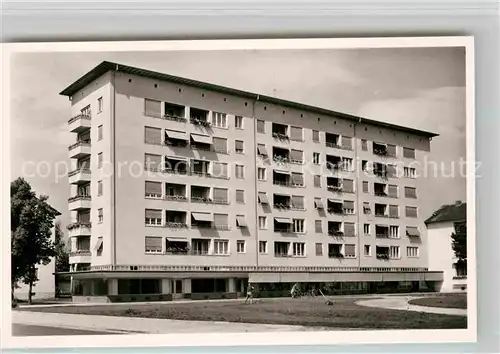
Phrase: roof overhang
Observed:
(106, 66)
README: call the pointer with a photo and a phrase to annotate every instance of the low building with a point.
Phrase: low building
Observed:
(440, 226)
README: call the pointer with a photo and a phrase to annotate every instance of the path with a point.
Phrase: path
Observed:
(401, 303)
(140, 325)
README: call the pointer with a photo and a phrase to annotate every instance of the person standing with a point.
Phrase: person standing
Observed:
(295, 290)
(250, 291)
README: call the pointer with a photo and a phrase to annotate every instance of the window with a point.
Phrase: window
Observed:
(263, 247)
(153, 189)
(261, 126)
(364, 145)
(220, 145)
(238, 146)
(347, 164)
(366, 229)
(261, 173)
(296, 133)
(152, 135)
(298, 225)
(348, 207)
(240, 196)
(392, 191)
(238, 122)
(261, 150)
(219, 170)
(221, 221)
(100, 215)
(240, 171)
(153, 217)
(412, 251)
(350, 251)
(408, 153)
(240, 221)
(316, 158)
(152, 162)
(221, 247)
(296, 156)
(410, 172)
(220, 195)
(349, 229)
(394, 252)
(219, 120)
(348, 185)
(299, 249)
(394, 231)
(153, 244)
(410, 192)
(316, 136)
(367, 250)
(393, 211)
(99, 246)
(86, 111)
(347, 142)
(262, 222)
(364, 165)
(298, 202)
(318, 226)
(99, 105)
(317, 181)
(99, 188)
(152, 108)
(366, 208)
(99, 133)
(319, 249)
(99, 160)
(365, 187)
(240, 246)
(297, 179)
(318, 203)
(411, 212)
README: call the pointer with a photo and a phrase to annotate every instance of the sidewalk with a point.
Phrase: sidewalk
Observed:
(141, 325)
(401, 303)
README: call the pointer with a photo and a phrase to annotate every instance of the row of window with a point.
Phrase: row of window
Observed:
(197, 116)
(156, 245)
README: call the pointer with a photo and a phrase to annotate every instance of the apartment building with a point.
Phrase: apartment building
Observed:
(182, 188)
(440, 226)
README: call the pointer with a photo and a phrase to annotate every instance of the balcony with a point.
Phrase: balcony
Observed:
(382, 253)
(380, 190)
(174, 112)
(80, 256)
(80, 149)
(280, 155)
(335, 251)
(280, 132)
(175, 219)
(200, 168)
(380, 170)
(175, 192)
(334, 228)
(79, 123)
(333, 163)
(79, 176)
(335, 207)
(79, 228)
(334, 184)
(381, 211)
(281, 249)
(199, 117)
(79, 202)
(282, 202)
(175, 166)
(177, 246)
(332, 140)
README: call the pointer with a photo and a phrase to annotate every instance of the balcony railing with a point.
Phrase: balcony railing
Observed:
(79, 143)
(281, 159)
(281, 136)
(384, 256)
(460, 277)
(380, 152)
(381, 194)
(206, 200)
(175, 118)
(335, 233)
(201, 174)
(179, 197)
(283, 230)
(78, 224)
(381, 215)
(201, 122)
(80, 253)
(152, 195)
(333, 144)
(282, 206)
(382, 235)
(80, 116)
(335, 255)
(173, 171)
(335, 211)
(334, 188)
(79, 197)
(176, 225)
(282, 255)
(80, 170)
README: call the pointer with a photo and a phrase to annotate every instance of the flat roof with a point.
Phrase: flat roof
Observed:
(106, 66)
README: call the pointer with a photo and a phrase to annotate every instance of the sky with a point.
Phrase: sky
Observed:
(423, 88)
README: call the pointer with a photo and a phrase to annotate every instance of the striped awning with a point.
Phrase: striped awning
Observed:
(283, 220)
(240, 220)
(412, 231)
(263, 198)
(204, 139)
(173, 134)
(203, 217)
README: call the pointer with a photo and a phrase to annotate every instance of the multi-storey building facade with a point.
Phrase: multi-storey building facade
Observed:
(183, 187)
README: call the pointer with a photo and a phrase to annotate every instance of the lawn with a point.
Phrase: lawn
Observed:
(457, 301)
(344, 313)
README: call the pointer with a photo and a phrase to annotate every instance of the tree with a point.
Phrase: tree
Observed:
(32, 219)
(459, 245)
(60, 249)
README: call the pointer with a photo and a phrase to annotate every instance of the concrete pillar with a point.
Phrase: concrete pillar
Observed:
(112, 286)
(186, 286)
(231, 285)
(166, 286)
(187, 112)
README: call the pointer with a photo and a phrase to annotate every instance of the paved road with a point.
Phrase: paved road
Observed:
(31, 330)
